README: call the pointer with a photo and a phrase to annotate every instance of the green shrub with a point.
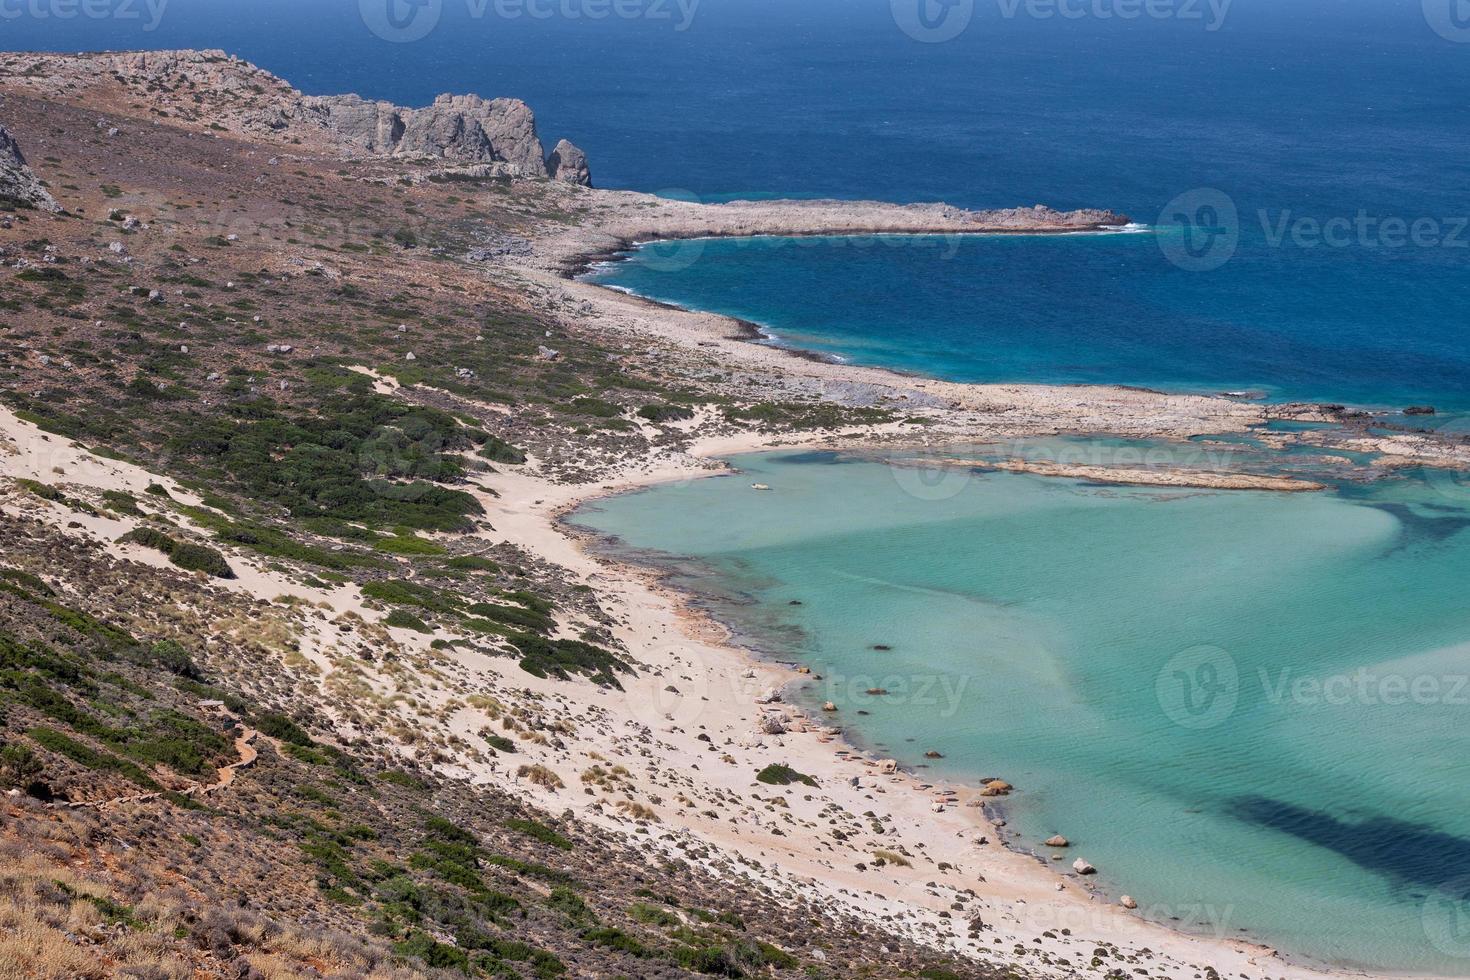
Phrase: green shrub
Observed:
(500, 743)
(200, 558)
(779, 775)
(499, 451)
(513, 616)
(408, 545)
(172, 657)
(399, 778)
(54, 741)
(539, 831)
(273, 724)
(542, 657)
(19, 766)
(617, 939)
(472, 563)
(569, 903)
(666, 413)
(400, 592)
(407, 620)
(122, 503)
(190, 557)
(43, 490)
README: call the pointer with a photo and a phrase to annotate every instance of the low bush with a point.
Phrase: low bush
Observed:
(779, 775)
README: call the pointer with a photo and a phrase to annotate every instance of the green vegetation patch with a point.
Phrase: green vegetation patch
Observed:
(188, 556)
(779, 775)
(371, 460)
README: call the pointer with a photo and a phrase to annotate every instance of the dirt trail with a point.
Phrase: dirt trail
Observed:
(244, 747)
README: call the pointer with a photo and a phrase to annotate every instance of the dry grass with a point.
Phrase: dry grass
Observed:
(541, 776)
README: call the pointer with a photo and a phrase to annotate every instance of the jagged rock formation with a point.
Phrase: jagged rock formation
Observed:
(569, 164)
(230, 93)
(18, 184)
(463, 128)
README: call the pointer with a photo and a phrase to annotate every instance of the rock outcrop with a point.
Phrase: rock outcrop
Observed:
(568, 163)
(232, 95)
(19, 186)
(463, 128)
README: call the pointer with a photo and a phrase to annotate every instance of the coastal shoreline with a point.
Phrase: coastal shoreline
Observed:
(1060, 409)
(1083, 894)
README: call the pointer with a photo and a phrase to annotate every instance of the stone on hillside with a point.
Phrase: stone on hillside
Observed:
(568, 164)
(18, 183)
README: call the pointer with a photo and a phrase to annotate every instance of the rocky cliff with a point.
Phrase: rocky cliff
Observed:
(19, 186)
(462, 128)
(230, 94)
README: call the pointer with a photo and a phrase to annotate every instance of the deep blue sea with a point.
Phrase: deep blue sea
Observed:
(1299, 113)
(1304, 167)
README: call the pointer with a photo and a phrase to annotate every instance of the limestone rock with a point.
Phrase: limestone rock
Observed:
(18, 184)
(463, 128)
(481, 137)
(568, 163)
(1127, 902)
(1083, 868)
(1058, 841)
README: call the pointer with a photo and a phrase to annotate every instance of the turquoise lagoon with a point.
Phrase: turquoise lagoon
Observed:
(1248, 709)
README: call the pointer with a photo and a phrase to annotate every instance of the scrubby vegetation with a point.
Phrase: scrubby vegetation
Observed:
(254, 373)
(186, 555)
(780, 775)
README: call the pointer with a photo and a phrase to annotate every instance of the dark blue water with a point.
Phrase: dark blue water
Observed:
(1299, 111)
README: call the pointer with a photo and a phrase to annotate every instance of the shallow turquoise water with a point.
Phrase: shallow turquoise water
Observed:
(1248, 709)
